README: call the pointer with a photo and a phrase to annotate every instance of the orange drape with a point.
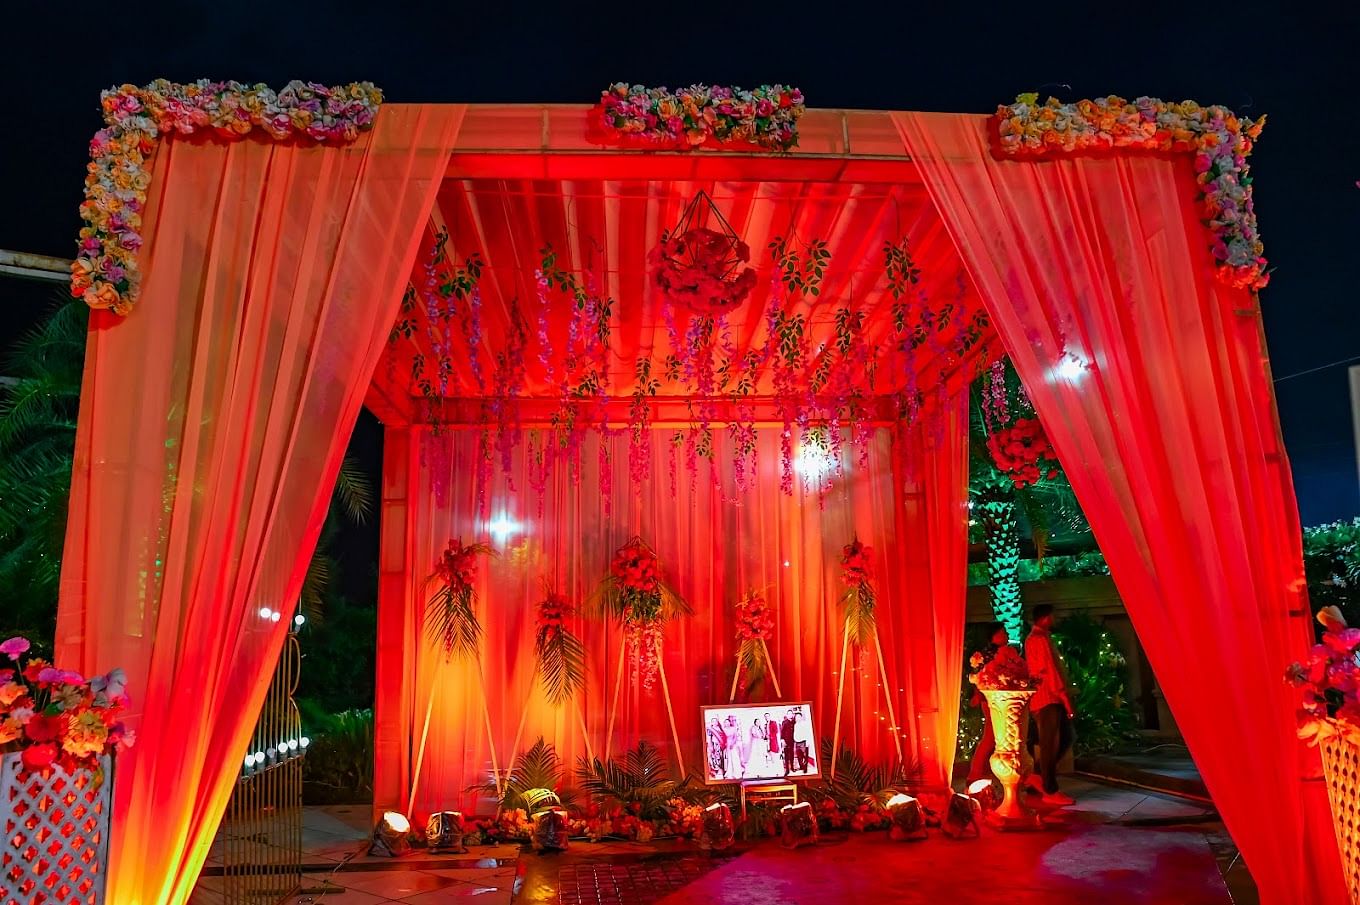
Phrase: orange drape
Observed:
(909, 504)
(1164, 418)
(212, 423)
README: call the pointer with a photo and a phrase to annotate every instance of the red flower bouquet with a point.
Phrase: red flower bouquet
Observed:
(450, 618)
(1005, 671)
(559, 653)
(717, 116)
(755, 627)
(1022, 452)
(859, 600)
(634, 594)
(58, 717)
(1329, 682)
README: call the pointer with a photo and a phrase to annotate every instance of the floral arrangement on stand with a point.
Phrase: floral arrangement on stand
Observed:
(55, 717)
(1005, 671)
(1219, 139)
(701, 115)
(755, 629)
(1329, 682)
(560, 655)
(634, 594)
(105, 272)
(859, 598)
(450, 618)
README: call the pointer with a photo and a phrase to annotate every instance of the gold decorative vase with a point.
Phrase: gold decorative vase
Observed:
(1009, 713)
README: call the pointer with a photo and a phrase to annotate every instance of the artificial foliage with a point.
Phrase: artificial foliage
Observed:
(996, 512)
(641, 782)
(859, 599)
(1098, 675)
(559, 655)
(535, 769)
(451, 616)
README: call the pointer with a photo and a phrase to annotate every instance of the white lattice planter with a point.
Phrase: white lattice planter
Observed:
(1341, 763)
(56, 839)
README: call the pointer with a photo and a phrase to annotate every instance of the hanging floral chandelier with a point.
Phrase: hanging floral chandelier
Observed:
(701, 268)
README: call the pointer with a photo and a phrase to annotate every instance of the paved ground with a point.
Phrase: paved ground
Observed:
(1118, 846)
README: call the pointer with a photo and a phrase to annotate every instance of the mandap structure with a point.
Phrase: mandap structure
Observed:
(659, 321)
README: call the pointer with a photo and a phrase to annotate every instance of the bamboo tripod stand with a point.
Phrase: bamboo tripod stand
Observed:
(665, 694)
(769, 667)
(840, 697)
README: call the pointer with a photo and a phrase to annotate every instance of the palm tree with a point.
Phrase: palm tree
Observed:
(39, 404)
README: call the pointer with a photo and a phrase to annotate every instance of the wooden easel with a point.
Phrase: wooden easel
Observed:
(666, 695)
(769, 668)
(425, 733)
(840, 696)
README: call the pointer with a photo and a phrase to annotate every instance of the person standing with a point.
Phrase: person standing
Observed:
(717, 749)
(786, 739)
(759, 750)
(981, 767)
(802, 740)
(1051, 705)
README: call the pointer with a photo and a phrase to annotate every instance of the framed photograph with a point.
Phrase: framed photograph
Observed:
(760, 742)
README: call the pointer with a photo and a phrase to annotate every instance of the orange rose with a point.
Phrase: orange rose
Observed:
(103, 296)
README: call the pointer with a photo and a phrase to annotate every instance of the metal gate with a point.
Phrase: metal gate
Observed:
(261, 834)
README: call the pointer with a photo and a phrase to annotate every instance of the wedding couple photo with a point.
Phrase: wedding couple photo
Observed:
(759, 742)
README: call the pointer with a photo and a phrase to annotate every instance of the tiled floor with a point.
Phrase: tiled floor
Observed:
(1117, 846)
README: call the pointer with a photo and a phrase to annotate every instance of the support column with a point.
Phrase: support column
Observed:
(392, 688)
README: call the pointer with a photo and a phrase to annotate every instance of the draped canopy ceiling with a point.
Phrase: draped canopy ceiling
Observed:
(602, 215)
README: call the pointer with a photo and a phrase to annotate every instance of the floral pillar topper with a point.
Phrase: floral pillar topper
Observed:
(105, 272)
(635, 595)
(1220, 141)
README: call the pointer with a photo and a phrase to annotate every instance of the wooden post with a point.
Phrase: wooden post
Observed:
(840, 693)
(585, 732)
(736, 674)
(887, 687)
(614, 710)
(490, 740)
(670, 711)
(420, 752)
(769, 666)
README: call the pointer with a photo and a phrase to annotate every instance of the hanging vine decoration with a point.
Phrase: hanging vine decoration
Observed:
(451, 617)
(645, 387)
(560, 656)
(859, 599)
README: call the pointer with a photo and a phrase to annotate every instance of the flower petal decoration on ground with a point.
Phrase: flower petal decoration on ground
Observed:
(717, 116)
(1219, 139)
(105, 272)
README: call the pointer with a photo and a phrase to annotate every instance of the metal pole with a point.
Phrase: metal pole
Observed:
(1355, 412)
(34, 267)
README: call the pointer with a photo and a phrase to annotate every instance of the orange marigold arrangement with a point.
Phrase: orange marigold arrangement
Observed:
(56, 717)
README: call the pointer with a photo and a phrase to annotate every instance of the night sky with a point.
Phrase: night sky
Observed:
(1293, 62)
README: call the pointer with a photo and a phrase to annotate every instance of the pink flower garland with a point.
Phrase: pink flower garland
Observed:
(1220, 141)
(765, 117)
(105, 272)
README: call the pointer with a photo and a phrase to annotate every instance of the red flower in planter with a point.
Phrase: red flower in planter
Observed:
(39, 757)
(42, 728)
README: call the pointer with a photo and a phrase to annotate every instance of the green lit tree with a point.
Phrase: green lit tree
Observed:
(1003, 512)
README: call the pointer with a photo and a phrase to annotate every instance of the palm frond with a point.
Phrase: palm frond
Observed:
(860, 625)
(538, 767)
(859, 782)
(451, 622)
(641, 781)
(354, 491)
(561, 659)
(751, 659)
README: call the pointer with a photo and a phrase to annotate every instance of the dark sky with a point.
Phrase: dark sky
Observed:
(1292, 61)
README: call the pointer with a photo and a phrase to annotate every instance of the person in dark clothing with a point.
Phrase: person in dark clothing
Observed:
(1051, 705)
(786, 737)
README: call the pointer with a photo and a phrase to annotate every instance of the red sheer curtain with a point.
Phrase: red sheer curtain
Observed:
(1151, 381)
(714, 544)
(212, 423)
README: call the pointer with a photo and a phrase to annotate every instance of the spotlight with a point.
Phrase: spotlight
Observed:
(392, 835)
(265, 612)
(813, 462)
(962, 814)
(716, 831)
(501, 527)
(1071, 368)
(550, 830)
(907, 819)
(444, 832)
(797, 825)
(983, 792)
